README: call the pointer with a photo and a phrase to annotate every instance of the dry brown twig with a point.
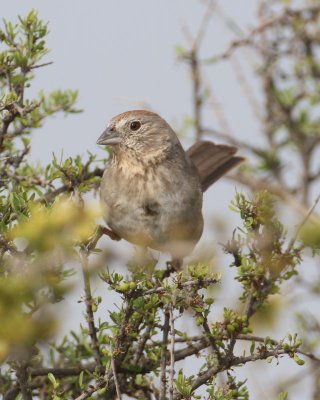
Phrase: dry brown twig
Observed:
(163, 361)
(172, 359)
(113, 367)
(89, 311)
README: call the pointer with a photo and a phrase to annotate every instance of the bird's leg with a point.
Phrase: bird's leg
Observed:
(100, 231)
(106, 231)
(175, 265)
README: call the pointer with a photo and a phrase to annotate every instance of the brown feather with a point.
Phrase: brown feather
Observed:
(213, 161)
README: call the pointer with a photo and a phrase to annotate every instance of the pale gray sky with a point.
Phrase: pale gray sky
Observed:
(120, 54)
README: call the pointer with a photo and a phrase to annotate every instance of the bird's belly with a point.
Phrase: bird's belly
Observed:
(145, 214)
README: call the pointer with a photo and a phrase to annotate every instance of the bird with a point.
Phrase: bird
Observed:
(152, 189)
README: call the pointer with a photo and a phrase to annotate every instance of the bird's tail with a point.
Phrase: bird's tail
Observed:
(213, 160)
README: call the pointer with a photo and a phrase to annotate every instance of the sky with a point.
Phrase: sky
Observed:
(121, 55)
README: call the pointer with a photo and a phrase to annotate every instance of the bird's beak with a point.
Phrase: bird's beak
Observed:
(109, 136)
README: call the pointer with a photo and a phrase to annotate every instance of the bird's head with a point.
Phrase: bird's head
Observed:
(140, 132)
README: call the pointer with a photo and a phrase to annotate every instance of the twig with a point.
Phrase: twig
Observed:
(248, 40)
(248, 309)
(196, 96)
(66, 188)
(22, 377)
(162, 289)
(246, 87)
(11, 394)
(41, 65)
(276, 343)
(163, 361)
(201, 343)
(172, 360)
(104, 382)
(303, 222)
(279, 191)
(204, 23)
(213, 371)
(113, 366)
(192, 58)
(142, 343)
(216, 107)
(121, 350)
(89, 311)
(199, 282)
(211, 339)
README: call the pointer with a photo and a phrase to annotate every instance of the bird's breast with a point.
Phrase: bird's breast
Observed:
(154, 208)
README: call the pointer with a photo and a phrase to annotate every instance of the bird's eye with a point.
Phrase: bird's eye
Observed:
(135, 125)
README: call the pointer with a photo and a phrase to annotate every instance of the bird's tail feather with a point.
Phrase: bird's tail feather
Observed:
(213, 160)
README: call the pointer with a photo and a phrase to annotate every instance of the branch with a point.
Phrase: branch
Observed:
(14, 110)
(259, 184)
(119, 354)
(163, 361)
(172, 359)
(49, 197)
(248, 40)
(89, 311)
(41, 65)
(22, 377)
(303, 222)
(113, 366)
(276, 343)
(11, 394)
(142, 343)
(198, 283)
(213, 371)
(211, 339)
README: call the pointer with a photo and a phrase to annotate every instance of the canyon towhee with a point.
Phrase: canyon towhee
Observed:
(151, 190)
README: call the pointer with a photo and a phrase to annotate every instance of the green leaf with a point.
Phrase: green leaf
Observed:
(298, 360)
(52, 379)
(81, 379)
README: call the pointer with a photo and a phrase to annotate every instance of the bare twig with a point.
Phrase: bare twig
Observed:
(216, 107)
(192, 58)
(163, 361)
(41, 65)
(196, 96)
(249, 39)
(248, 309)
(22, 377)
(113, 367)
(89, 311)
(142, 342)
(204, 23)
(172, 359)
(11, 394)
(303, 222)
(246, 87)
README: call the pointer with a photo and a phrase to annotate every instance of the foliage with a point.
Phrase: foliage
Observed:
(48, 232)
